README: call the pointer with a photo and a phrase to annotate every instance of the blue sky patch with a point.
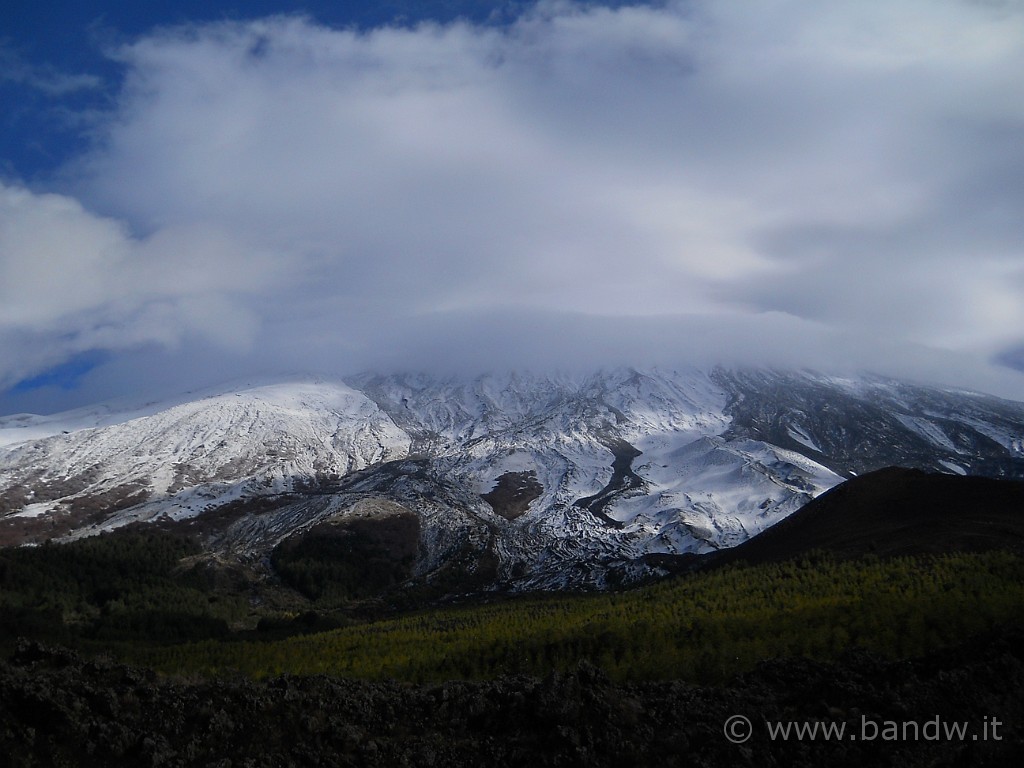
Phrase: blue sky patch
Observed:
(66, 376)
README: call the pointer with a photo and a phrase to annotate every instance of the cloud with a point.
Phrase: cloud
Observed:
(72, 282)
(790, 181)
(46, 79)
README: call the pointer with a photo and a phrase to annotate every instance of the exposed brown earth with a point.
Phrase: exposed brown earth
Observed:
(74, 513)
(513, 493)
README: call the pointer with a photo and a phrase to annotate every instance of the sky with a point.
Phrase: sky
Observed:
(198, 192)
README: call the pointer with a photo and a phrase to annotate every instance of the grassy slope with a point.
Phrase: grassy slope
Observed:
(704, 627)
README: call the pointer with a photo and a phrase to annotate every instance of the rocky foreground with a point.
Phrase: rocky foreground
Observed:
(59, 708)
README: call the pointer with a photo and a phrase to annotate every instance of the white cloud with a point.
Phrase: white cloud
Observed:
(50, 81)
(72, 281)
(835, 173)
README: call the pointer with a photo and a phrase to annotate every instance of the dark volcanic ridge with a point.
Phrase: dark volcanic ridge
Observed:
(895, 511)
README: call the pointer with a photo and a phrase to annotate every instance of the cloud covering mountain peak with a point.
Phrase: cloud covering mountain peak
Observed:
(793, 182)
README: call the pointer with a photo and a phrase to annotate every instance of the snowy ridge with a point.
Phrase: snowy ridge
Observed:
(556, 480)
(190, 457)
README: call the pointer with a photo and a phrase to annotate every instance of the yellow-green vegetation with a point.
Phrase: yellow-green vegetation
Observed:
(703, 627)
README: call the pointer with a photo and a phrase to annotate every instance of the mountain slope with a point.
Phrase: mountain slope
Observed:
(513, 480)
(859, 425)
(181, 461)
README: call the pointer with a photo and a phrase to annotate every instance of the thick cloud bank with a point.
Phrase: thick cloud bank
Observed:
(835, 185)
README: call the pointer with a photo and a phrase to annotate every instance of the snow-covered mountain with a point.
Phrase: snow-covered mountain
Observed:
(517, 480)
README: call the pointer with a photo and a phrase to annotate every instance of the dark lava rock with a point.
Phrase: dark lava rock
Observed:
(59, 709)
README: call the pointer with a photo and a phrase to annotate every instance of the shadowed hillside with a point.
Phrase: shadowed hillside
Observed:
(892, 512)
